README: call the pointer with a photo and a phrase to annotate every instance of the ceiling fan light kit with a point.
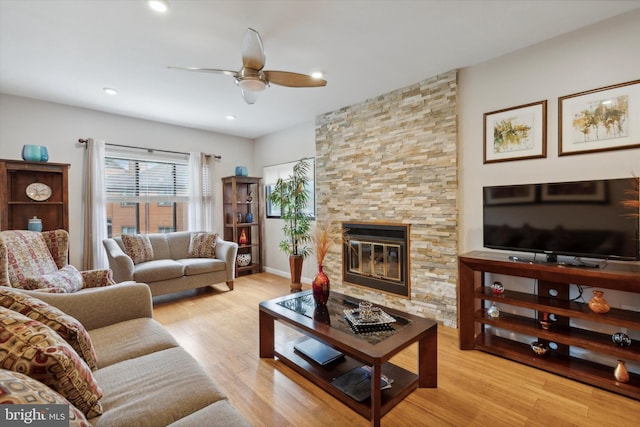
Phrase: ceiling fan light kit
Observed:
(251, 78)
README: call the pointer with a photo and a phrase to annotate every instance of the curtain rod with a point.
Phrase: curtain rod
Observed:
(215, 156)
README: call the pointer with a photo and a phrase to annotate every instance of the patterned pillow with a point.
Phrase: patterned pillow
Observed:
(203, 245)
(32, 348)
(138, 247)
(28, 256)
(19, 389)
(67, 279)
(66, 326)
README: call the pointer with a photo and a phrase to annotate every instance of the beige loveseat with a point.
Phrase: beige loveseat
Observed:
(170, 268)
(145, 377)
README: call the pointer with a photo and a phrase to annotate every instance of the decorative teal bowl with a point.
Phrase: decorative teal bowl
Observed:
(35, 153)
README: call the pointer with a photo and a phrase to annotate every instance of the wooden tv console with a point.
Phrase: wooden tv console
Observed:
(476, 327)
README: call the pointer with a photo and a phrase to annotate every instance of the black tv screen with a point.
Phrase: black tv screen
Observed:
(594, 219)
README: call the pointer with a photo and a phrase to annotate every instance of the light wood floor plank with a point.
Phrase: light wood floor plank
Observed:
(220, 329)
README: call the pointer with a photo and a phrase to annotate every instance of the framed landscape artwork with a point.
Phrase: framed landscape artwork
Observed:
(601, 119)
(516, 133)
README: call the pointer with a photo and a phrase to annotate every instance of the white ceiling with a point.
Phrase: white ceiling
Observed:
(66, 51)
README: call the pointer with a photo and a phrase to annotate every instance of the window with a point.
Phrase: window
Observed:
(271, 175)
(146, 192)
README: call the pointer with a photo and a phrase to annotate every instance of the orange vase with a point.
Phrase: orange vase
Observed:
(598, 304)
(620, 373)
(242, 240)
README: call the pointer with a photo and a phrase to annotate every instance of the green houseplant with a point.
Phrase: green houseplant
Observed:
(291, 195)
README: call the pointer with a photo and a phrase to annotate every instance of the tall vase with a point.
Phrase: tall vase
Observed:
(598, 304)
(320, 287)
(621, 373)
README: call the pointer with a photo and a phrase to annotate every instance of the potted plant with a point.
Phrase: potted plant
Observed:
(291, 195)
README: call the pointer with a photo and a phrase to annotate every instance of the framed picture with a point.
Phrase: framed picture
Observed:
(601, 119)
(516, 133)
(510, 195)
(586, 191)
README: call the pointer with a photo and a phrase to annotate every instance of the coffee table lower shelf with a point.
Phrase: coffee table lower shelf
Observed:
(404, 382)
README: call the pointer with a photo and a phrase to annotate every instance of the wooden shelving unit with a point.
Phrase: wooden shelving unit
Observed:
(16, 208)
(477, 329)
(242, 195)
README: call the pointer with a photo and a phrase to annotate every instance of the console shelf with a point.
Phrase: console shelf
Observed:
(481, 332)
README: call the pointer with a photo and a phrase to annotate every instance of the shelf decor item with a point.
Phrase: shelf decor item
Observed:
(545, 322)
(35, 224)
(243, 240)
(620, 372)
(621, 339)
(598, 304)
(493, 311)
(540, 348)
(241, 171)
(244, 260)
(35, 153)
(497, 288)
(248, 217)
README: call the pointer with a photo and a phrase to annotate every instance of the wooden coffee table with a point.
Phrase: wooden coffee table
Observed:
(329, 326)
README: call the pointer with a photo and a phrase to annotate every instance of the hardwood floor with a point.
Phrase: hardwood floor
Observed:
(220, 329)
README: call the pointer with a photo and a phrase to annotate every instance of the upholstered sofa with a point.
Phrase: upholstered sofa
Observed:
(33, 260)
(139, 375)
(172, 262)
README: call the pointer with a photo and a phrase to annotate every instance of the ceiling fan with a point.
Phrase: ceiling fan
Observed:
(251, 78)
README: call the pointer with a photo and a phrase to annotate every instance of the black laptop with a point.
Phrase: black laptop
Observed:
(320, 353)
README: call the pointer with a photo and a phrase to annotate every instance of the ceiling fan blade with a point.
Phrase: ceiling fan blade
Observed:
(249, 96)
(207, 70)
(286, 78)
(252, 50)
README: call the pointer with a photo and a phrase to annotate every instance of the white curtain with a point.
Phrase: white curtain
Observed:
(200, 192)
(95, 211)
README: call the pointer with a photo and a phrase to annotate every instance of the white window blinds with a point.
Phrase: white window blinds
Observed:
(144, 178)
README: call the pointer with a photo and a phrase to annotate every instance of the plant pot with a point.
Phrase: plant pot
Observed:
(295, 266)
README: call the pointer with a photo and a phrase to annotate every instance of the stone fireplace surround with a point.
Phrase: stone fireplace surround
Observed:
(393, 159)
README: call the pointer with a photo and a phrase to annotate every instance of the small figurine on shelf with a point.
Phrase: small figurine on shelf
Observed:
(242, 240)
(249, 197)
(493, 311)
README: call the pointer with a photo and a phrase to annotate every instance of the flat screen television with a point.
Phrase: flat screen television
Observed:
(592, 219)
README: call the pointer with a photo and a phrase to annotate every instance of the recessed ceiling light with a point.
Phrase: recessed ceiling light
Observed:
(230, 117)
(110, 91)
(159, 5)
(317, 74)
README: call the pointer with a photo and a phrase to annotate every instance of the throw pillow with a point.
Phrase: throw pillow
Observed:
(27, 255)
(138, 247)
(19, 389)
(66, 280)
(203, 245)
(32, 348)
(66, 326)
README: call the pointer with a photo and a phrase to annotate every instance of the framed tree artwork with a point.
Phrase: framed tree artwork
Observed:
(516, 133)
(601, 119)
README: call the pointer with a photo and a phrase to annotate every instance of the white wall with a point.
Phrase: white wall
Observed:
(282, 147)
(58, 127)
(597, 56)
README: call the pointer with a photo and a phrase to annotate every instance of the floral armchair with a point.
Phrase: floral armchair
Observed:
(39, 261)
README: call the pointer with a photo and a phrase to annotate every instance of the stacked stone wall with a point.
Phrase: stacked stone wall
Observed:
(393, 159)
